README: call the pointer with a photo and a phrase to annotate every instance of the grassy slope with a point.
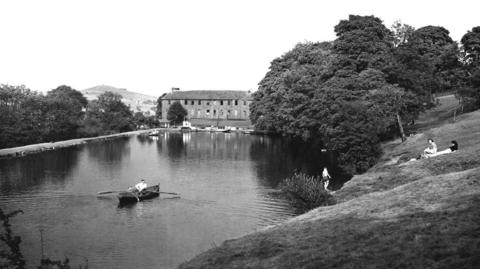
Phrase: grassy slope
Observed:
(421, 214)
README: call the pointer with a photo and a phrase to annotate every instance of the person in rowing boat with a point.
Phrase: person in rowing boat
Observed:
(140, 186)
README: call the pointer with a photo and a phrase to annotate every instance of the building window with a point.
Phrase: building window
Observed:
(192, 102)
(186, 102)
(244, 103)
(214, 113)
(169, 102)
(236, 113)
(199, 102)
(244, 114)
(192, 112)
(229, 102)
(236, 102)
(207, 113)
(199, 112)
(208, 103)
(221, 102)
(221, 113)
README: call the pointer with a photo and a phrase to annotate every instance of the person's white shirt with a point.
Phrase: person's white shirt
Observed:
(325, 173)
(141, 185)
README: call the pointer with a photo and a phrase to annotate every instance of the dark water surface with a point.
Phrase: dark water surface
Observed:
(227, 184)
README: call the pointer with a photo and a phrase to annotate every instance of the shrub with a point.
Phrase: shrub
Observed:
(308, 189)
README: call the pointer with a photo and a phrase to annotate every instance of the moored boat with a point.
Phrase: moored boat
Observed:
(126, 197)
(154, 133)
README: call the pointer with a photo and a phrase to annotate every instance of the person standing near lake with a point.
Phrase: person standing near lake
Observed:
(326, 177)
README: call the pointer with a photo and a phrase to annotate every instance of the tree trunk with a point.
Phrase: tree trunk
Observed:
(400, 126)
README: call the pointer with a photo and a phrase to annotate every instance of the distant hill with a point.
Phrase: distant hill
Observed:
(136, 101)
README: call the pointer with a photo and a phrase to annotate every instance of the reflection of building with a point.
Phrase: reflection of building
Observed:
(211, 107)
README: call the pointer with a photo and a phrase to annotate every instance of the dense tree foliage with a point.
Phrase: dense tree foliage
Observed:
(347, 95)
(470, 73)
(21, 116)
(284, 95)
(64, 113)
(108, 114)
(427, 63)
(176, 113)
(28, 117)
(142, 122)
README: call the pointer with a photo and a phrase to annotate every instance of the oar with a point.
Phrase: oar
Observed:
(172, 193)
(107, 192)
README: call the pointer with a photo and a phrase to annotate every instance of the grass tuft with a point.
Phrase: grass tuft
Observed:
(309, 190)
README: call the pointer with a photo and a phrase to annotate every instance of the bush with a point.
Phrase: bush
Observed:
(308, 189)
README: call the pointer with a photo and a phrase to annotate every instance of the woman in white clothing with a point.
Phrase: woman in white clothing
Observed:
(432, 148)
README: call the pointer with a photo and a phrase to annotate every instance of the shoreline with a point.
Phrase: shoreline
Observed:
(398, 214)
(41, 147)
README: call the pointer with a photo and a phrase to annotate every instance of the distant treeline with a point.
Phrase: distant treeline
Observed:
(28, 117)
(366, 86)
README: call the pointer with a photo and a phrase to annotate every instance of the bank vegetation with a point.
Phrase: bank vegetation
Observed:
(367, 86)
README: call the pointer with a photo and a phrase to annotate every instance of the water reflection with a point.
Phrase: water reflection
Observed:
(175, 145)
(109, 152)
(276, 157)
(28, 172)
(213, 146)
(145, 139)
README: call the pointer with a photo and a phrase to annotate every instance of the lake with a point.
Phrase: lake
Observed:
(228, 185)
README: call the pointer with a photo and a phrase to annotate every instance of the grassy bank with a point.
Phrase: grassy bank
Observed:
(35, 148)
(419, 214)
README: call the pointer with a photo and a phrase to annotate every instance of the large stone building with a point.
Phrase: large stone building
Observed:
(211, 107)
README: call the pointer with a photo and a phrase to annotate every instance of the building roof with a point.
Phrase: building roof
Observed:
(206, 95)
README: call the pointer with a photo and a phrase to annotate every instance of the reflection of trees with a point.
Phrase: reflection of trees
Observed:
(175, 145)
(23, 173)
(144, 139)
(212, 146)
(110, 151)
(277, 158)
(215, 146)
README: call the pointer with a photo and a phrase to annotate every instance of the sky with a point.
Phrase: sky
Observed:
(151, 46)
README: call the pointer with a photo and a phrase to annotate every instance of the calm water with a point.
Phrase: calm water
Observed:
(227, 184)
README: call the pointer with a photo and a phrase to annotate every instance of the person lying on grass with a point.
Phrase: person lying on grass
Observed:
(453, 147)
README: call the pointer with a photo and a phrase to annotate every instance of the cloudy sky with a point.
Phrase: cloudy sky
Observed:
(151, 46)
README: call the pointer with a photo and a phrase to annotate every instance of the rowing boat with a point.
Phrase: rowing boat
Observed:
(126, 197)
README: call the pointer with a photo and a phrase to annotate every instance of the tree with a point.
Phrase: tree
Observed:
(64, 113)
(176, 113)
(286, 90)
(401, 33)
(469, 92)
(471, 46)
(139, 119)
(107, 114)
(426, 62)
(392, 103)
(362, 42)
(21, 116)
